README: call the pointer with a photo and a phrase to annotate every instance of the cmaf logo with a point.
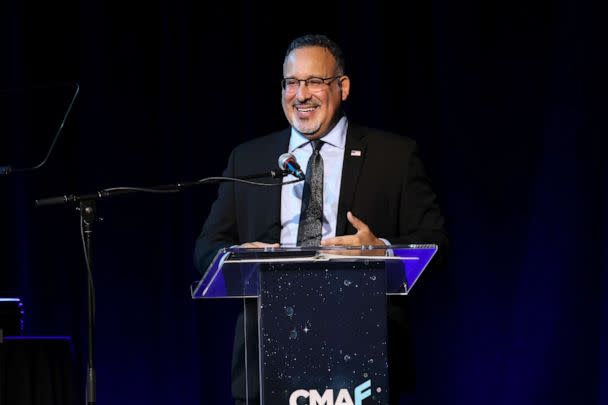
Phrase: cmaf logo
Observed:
(362, 391)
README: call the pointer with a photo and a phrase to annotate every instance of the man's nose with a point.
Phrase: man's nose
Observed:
(303, 92)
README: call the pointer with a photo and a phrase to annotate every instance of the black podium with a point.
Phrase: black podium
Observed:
(321, 313)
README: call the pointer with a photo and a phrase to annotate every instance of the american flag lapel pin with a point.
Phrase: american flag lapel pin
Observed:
(355, 152)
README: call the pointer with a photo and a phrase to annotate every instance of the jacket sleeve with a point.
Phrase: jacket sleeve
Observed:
(420, 219)
(220, 228)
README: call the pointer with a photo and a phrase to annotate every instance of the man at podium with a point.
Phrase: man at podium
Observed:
(363, 187)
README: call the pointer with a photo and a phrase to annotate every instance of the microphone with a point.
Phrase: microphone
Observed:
(288, 163)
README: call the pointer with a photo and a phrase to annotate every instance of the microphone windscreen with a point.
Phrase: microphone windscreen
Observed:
(284, 158)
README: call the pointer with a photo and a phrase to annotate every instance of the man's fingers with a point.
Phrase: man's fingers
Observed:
(356, 222)
(340, 241)
(258, 245)
(330, 242)
(363, 236)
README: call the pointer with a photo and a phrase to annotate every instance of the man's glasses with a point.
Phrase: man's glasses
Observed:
(291, 84)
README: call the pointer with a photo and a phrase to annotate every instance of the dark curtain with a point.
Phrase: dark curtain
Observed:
(505, 99)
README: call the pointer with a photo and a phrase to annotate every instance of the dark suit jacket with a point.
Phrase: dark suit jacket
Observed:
(386, 187)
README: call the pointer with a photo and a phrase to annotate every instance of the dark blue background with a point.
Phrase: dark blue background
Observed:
(506, 100)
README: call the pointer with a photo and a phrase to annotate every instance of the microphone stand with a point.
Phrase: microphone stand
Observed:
(88, 216)
(87, 206)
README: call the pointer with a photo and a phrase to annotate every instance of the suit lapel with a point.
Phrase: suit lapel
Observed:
(354, 154)
(272, 204)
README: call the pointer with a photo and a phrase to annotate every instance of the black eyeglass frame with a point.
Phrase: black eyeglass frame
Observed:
(307, 81)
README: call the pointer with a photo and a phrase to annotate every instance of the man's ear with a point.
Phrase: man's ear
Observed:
(344, 87)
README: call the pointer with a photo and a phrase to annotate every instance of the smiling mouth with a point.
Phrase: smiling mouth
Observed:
(302, 109)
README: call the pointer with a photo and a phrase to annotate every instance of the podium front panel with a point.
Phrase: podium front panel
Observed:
(322, 332)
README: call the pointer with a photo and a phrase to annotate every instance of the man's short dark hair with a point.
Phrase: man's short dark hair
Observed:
(322, 41)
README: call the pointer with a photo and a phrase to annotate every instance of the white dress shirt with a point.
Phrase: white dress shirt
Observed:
(332, 153)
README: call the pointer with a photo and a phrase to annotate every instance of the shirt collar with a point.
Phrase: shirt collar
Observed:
(336, 137)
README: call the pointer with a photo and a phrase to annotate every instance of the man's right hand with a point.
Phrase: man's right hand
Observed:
(259, 245)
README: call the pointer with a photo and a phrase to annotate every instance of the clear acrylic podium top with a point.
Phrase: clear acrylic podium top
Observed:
(234, 272)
